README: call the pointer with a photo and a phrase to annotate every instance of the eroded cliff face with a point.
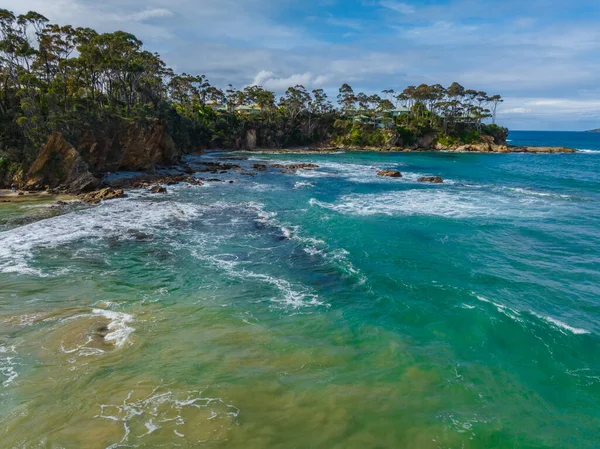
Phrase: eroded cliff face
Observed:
(79, 167)
(59, 165)
(128, 146)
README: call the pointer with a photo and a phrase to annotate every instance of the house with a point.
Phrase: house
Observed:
(396, 112)
(248, 109)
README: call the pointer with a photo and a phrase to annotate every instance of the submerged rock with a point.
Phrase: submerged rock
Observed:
(103, 195)
(389, 174)
(260, 167)
(431, 179)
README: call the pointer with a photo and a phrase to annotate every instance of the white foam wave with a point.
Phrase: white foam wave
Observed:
(8, 372)
(561, 325)
(111, 219)
(505, 310)
(119, 331)
(291, 295)
(523, 191)
(303, 184)
(588, 151)
(164, 411)
(434, 202)
(119, 326)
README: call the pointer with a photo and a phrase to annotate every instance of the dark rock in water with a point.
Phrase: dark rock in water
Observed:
(231, 182)
(103, 195)
(102, 331)
(431, 179)
(214, 180)
(139, 235)
(295, 166)
(260, 167)
(158, 189)
(389, 174)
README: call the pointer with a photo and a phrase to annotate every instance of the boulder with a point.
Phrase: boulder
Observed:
(260, 167)
(389, 174)
(103, 195)
(158, 189)
(432, 179)
(59, 164)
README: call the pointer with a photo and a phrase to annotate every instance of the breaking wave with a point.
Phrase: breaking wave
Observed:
(123, 219)
(442, 203)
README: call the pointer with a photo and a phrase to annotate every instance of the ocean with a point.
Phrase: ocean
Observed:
(329, 308)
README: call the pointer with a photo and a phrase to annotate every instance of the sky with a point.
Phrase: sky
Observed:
(542, 56)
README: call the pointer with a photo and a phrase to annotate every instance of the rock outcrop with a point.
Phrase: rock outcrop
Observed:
(128, 146)
(59, 165)
(431, 179)
(103, 195)
(389, 174)
(158, 189)
(295, 166)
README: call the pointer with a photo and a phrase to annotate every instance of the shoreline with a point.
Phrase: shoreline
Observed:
(472, 149)
(175, 173)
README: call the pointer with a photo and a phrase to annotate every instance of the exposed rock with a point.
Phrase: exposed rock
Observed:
(128, 146)
(158, 189)
(218, 167)
(542, 150)
(150, 181)
(390, 174)
(260, 167)
(432, 179)
(295, 166)
(60, 165)
(103, 195)
(251, 139)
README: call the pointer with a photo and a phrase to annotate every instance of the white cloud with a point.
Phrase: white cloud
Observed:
(268, 80)
(154, 13)
(399, 7)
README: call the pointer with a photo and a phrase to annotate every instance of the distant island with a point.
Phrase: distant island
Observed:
(593, 131)
(76, 104)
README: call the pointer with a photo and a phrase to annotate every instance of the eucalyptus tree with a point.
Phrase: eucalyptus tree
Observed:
(346, 98)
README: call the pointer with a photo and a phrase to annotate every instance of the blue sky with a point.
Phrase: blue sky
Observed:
(542, 56)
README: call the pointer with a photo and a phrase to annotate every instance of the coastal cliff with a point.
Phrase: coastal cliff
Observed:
(79, 166)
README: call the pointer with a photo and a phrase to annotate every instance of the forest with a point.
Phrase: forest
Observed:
(67, 79)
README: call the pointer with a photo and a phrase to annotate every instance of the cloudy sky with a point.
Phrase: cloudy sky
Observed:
(542, 56)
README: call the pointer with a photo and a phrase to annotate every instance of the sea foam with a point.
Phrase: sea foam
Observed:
(8, 372)
(561, 325)
(444, 203)
(118, 218)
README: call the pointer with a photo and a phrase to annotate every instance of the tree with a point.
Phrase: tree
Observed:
(496, 100)
(346, 98)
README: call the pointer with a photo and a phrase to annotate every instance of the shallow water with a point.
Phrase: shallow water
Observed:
(326, 309)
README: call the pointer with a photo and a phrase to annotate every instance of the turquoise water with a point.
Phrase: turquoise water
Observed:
(327, 309)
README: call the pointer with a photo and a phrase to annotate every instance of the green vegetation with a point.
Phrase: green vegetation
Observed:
(75, 80)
